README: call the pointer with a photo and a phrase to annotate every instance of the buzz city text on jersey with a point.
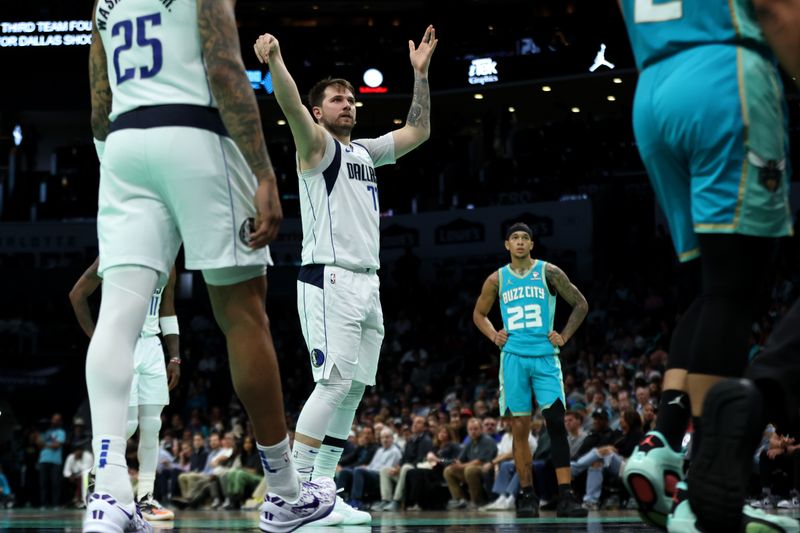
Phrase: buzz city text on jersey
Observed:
(522, 292)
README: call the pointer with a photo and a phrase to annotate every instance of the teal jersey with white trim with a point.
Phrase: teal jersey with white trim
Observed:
(528, 308)
(662, 28)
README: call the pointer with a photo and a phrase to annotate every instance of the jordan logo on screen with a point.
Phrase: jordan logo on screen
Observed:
(600, 60)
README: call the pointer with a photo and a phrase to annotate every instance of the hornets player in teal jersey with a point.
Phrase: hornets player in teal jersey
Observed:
(710, 122)
(529, 363)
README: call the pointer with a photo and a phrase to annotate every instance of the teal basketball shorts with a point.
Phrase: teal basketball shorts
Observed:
(711, 128)
(521, 377)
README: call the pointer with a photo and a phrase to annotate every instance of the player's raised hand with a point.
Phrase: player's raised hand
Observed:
(421, 55)
(555, 338)
(266, 46)
(269, 213)
(501, 338)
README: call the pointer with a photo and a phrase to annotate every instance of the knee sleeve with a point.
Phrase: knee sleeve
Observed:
(734, 269)
(342, 420)
(149, 427)
(554, 418)
(321, 405)
(682, 336)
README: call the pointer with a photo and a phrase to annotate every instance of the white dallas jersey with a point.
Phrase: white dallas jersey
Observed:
(339, 203)
(153, 53)
(151, 327)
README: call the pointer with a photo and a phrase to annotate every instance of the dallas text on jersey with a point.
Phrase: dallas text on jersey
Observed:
(361, 172)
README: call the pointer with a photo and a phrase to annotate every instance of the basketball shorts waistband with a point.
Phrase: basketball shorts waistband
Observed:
(313, 273)
(183, 115)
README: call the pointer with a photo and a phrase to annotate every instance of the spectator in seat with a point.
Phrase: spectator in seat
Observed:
(468, 468)
(393, 477)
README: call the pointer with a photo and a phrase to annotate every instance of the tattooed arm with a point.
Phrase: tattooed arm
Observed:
(100, 90)
(418, 123)
(237, 106)
(558, 280)
(235, 97)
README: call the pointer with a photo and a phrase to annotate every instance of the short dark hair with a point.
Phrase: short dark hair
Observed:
(317, 92)
(633, 419)
(519, 226)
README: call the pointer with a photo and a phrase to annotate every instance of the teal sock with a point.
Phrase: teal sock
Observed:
(326, 461)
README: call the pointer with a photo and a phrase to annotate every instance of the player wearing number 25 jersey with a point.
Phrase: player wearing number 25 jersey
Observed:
(183, 161)
(529, 364)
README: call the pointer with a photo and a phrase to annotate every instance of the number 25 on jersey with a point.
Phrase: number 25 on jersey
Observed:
(126, 29)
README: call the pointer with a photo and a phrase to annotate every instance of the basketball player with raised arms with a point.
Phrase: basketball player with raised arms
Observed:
(152, 379)
(338, 287)
(183, 161)
(529, 365)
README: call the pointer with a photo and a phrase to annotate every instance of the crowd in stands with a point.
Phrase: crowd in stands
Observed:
(430, 433)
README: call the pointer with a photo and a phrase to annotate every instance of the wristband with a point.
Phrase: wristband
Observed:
(169, 325)
(99, 146)
(175, 360)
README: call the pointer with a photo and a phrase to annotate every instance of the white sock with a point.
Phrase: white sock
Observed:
(326, 461)
(282, 479)
(112, 471)
(304, 458)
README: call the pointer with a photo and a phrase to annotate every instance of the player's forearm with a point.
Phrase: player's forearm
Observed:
(172, 342)
(84, 316)
(575, 320)
(485, 326)
(239, 112)
(285, 89)
(229, 85)
(780, 20)
(419, 115)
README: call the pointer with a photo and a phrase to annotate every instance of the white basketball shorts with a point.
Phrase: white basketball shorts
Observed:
(149, 386)
(342, 321)
(170, 174)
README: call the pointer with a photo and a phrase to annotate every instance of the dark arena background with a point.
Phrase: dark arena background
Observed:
(522, 130)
